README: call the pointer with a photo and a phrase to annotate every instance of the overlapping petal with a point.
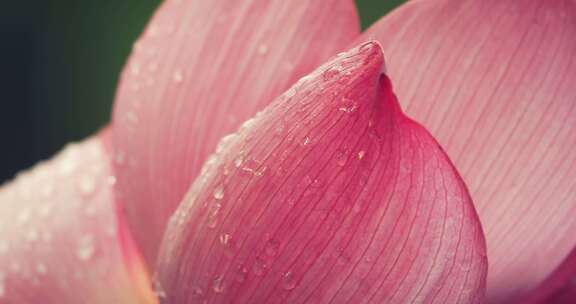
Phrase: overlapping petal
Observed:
(493, 81)
(330, 195)
(60, 239)
(200, 69)
(559, 288)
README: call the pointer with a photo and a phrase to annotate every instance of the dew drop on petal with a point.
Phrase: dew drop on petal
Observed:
(219, 192)
(41, 268)
(197, 292)
(259, 267)
(272, 247)
(158, 288)
(238, 162)
(86, 185)
(85, 248)
(262, 49)
(288, 280)
(241, 274)
(225, 238)
(213, 216)
(218, 284)
(361, 154)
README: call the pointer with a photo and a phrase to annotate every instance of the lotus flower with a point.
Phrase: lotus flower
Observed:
(265, 152)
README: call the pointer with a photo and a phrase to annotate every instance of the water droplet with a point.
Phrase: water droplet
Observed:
(349, 106)
(197, 292)
(218, 284)
(85, 247)
(262, 49)
(272, 247)
(41, 268)
(111, 180)
(86, 185)
(132, 117)
(225, 238)
(158, 288)
(135, 67)
(238, 161)
(341, 159)
(361, 154)
(306, 141)
(289, 280)
(290, 93)
(219, 192)
(259, 267)
(247, 124)
(213, 216)
(225, 142)
(331, 73)
(241, 274)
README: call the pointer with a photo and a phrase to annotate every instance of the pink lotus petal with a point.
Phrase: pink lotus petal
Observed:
(201, 68)
(60, 240)
(493, 81)
(329, 195)
(560, 287)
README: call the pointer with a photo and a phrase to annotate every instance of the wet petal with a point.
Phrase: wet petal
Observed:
(200, 69)
(60, 240)
(493, 81)
(330, 194)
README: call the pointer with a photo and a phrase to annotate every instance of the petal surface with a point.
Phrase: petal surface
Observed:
(560, 287)
(330, 195)
(201, 69)
(493, 81)
(60, 239)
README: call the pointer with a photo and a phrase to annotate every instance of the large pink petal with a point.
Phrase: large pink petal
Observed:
(200, 69)
(329, 195)
(493, 81)
(60, 239)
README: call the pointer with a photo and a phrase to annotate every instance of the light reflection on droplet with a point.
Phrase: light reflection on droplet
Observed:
(219, 192)
(85, 247)
(218, 284)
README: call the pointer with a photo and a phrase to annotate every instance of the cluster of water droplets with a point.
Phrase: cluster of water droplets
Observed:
(66, 190)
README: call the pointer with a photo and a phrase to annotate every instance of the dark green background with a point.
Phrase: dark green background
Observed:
(59, 62)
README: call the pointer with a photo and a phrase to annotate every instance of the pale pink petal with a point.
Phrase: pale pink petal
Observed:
(493, 81)
(200, 69)
(60, 239)
(330, 195)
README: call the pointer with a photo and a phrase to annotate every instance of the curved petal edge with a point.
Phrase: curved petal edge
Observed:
(60, 239)
(330, 194)
(199, 70)
(493, 82)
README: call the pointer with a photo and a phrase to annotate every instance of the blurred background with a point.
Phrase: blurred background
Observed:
(59, 63)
